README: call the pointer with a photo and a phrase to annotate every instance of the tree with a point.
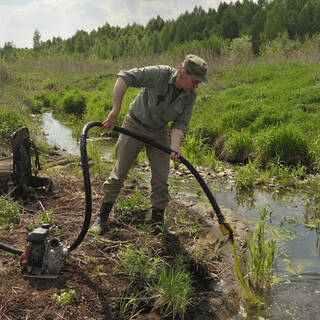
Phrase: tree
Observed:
(276, 22)
(229, 25)
(36, 40)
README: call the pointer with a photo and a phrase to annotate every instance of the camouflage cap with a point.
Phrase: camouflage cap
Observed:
(196, 66)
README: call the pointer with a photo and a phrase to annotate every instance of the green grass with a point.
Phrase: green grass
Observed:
(263, 111)
(135, 202)
(167, 287)
(268, 110)
(9, 212)
(173, 290)
(261, 256)
(138, 264)
(65, 297)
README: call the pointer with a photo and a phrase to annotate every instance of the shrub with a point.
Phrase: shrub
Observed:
(11, 120)
(281, 47)
(74, 102)
(5, 76)
(214, 44)
(240, 49)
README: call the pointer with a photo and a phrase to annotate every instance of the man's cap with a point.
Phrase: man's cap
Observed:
(196, 66)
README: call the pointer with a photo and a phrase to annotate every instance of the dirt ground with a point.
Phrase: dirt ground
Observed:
(98, 287)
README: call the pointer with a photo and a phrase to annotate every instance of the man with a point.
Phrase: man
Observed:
(166, 95)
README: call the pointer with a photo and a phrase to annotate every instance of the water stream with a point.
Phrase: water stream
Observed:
(297, 294)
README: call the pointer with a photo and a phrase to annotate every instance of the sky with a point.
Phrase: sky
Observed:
(62, 18)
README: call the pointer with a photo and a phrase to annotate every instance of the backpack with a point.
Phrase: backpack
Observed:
(24, 178)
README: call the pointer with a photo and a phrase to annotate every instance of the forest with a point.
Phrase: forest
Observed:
(209, 32)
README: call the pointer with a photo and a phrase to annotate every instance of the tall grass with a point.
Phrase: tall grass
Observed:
(172, 292)
(167, 288)
(197, 151)
(261, 256)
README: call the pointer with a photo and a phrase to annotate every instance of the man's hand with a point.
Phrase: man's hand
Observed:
(176, 136)
(119, 90)
(175, 155)
(111, 120)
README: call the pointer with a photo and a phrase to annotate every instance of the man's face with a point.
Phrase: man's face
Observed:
(188, 81)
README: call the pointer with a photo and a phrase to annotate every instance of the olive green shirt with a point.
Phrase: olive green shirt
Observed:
(158, 101)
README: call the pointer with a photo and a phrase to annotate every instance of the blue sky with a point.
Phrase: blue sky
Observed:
(62, 18)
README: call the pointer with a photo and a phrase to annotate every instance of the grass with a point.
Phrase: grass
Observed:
(138, 264)
(168, 288)
(263, 110)
(134, 203)
(65, 297)
(47, 217)
(246, 176)
(261, 256)
(312, 214)
(9, 212)
(173, 290)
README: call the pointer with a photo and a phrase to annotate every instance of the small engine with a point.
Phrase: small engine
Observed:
(44, 255)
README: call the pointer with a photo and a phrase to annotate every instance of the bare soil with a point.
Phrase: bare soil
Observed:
(98, 293)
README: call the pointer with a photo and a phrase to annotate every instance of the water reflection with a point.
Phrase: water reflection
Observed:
(59, 135)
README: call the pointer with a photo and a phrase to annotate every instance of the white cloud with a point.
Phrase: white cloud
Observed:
(62, 18)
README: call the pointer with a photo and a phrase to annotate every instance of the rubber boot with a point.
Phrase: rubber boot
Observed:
(157, 222)
(101, 224)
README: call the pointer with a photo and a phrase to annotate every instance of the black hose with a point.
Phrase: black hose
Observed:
(10, 249)
(87, 183)
(205, 188)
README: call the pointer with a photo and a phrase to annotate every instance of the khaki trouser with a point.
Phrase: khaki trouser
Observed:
(127, 150)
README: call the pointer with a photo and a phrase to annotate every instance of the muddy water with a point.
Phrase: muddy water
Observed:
(297, 294)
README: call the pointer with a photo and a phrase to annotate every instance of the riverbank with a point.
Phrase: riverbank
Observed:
(91, 269)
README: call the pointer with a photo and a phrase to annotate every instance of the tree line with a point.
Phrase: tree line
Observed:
(211, 30)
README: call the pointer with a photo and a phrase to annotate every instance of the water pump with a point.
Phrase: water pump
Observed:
(44, 255)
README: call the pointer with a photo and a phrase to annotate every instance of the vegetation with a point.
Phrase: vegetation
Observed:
(134, 203)
(261, 256)
(259, 21)
(65, 297)
(312, 214)
(9, 212)
(168, 289)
